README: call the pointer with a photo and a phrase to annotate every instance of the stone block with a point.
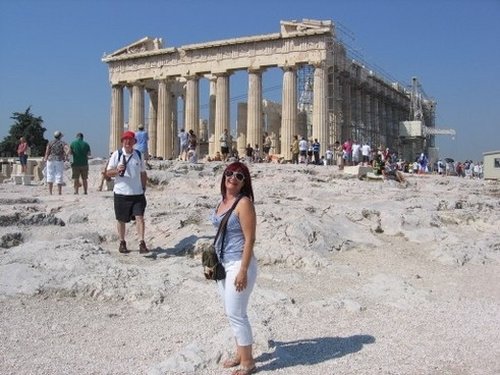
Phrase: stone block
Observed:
(27, 179)
(358, 170)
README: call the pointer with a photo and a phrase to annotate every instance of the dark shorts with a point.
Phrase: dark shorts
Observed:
(23, 159)
(127, 207)
(266, 149)
(77, 172)
(366, 159)
(224, 150)
(303, 153)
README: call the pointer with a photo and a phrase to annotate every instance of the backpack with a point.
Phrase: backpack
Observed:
(136, 151)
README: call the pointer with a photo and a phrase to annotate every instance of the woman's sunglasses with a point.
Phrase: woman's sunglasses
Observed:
(239, 176)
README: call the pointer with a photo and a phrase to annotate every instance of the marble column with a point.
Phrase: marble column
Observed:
(242, 128)
(373, 116)
(254, 109)
(320, 123)
(357, 110)
(368, 119)
(211, 115)
(130, 105)
(347, 105)
(221, 108)
(192, 107)
(152, 121)
(164, 138)
(376, 118)
(137, 107)
(289, 110)
(116, 126)
(174, 124)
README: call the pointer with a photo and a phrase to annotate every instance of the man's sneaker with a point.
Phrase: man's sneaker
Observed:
(142, 248)
(123, 247)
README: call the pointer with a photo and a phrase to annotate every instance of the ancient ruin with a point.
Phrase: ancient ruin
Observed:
(338, 98)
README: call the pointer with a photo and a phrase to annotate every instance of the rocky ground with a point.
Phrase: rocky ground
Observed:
(355, 277)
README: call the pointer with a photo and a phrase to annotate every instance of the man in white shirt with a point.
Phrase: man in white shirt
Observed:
(128, 168)
(365, 153)
(303, 146)
(356, 148)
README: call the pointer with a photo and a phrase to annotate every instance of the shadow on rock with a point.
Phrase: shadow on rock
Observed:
(186, 246)
(311, 351)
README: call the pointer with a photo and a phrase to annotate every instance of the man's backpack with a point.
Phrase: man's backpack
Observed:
(120, 152)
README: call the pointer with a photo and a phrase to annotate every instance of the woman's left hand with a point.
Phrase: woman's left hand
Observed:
(240, 282)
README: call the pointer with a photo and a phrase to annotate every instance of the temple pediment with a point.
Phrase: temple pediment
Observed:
(142, 45)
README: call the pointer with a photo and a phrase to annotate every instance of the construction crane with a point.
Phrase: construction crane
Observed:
(422, 112)
(418, 134)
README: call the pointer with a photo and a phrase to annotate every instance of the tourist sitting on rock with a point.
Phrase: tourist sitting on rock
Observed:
(390, 172)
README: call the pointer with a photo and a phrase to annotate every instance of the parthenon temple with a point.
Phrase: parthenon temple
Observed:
(339, 99)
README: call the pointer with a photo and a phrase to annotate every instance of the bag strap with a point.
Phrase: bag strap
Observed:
(223, 224)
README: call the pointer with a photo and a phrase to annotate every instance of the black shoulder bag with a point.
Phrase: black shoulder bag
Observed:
(212, 267)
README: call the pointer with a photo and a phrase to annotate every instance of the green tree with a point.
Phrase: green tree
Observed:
(28, 126)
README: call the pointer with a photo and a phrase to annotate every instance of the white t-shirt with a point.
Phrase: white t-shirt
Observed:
(183, 137)
(302, 145)
(365, 150)
(355, 150)
(130, 183)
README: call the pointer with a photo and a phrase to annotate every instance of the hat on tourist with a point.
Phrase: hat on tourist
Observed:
(58, 134)
(128, 135)
(141, 126)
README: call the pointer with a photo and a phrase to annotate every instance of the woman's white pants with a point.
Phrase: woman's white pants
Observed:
(236, 303)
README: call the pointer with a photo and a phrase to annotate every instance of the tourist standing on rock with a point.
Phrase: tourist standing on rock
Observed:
(192, 141)
(294, 148)
(266, 146)
(356, 152)
(80, 165)
(129, 170)
(235, 251)
(55, 155)
(303, 150)
(316, 149)
(183, 144)
(142, 139)
(22, 153)
(365, 152)
(226, 142)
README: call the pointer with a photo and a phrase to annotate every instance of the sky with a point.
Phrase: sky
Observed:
(51, 53)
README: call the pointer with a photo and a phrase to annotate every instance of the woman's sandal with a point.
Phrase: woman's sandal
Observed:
(231, 362)
(242, 370)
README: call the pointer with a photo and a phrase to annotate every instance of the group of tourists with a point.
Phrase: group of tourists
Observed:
(57, 153)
